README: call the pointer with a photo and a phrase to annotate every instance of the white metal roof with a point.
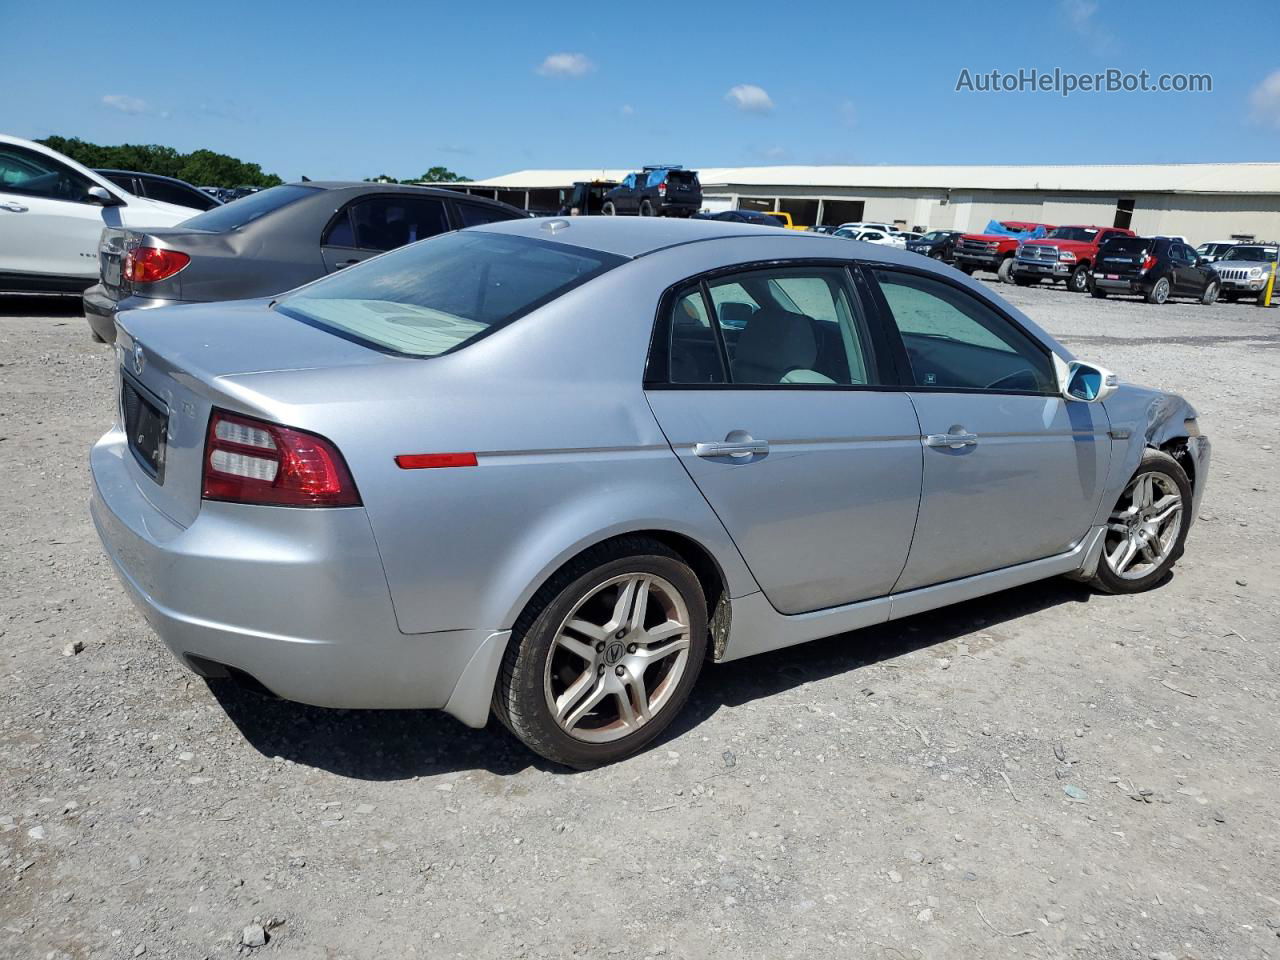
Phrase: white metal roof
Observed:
(1254, 178)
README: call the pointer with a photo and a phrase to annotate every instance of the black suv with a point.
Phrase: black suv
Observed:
(938, 244)
(660, 191)
(1157, 268)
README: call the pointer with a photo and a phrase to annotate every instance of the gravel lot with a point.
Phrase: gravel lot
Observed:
(1041, 773)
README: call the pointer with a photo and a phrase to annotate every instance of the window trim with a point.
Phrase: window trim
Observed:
(880, 363)
(904, 374)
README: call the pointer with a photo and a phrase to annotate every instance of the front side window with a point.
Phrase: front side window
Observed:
(441, 295)
(954, 340)
(35, 175)
(796, 326)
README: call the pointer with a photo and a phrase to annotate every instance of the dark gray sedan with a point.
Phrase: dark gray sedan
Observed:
(270, 242)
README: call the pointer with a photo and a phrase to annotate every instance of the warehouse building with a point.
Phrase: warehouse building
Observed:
(1201, 201)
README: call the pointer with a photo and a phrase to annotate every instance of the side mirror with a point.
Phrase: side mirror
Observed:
(1087, 383)
(103, 197)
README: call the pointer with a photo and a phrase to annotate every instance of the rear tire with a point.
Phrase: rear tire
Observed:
(1159, 292)
(1166, 480)
(608, 209)
(1005, 270)
(1097, 293)
(1230, 297)
(965, 269)
(626, 699)
(646, 209)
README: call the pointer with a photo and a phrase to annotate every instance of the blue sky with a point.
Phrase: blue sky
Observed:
(353, 90)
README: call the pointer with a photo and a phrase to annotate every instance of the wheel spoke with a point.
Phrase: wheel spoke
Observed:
(569, 714)
(592, 631)
(577, 647)
(639, 696)
(626, 712)
(1164, 513)
(665, 631)
(1143, 492)
(651, 655)
(1123, 555)
(632, 603)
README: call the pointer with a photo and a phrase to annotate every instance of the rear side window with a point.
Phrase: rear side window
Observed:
(954, 340)
(244, 211)
(178, 194)
(439, 296)
(384, 223)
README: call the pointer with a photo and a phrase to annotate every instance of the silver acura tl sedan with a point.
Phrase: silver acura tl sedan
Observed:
(548, 468)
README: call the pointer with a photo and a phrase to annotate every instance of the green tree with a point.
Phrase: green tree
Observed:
(381, 178)
(442, 175)
(204, 168)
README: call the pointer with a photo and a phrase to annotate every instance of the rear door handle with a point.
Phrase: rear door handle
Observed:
(13, 207)
(731, 448)
(953, 440)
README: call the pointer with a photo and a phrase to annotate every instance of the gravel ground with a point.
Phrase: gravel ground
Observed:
(1042, 773)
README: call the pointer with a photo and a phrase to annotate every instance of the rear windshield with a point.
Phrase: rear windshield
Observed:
(683, 177)
(237, 213)
(444, 293)
(1125, 245)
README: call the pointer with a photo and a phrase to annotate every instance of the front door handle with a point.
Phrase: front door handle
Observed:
(13, 207)
(952, 440)
(738, 444)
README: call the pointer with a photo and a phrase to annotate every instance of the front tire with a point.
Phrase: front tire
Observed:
(1078, 282)
(1210, 295)
(605, 654)
(1005, 270)
(1147, 528)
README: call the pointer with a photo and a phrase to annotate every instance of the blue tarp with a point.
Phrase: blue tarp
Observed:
(997, 229)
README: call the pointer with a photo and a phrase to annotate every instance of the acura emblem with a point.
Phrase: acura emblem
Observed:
(139, 359)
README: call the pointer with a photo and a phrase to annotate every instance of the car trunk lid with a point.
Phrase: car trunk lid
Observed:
(176, 364)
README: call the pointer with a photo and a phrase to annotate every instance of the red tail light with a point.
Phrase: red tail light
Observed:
(1148, 261)
(149, 264)
(662, 189)
(252, 461)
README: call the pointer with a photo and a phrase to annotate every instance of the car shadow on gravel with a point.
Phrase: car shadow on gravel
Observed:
(741, 681)
(22, 305)
(403, 744)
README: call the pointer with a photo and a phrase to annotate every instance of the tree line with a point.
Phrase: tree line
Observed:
(204, 168)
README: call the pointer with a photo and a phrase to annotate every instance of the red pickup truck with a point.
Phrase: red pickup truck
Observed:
(1064, 253)
(994, 251)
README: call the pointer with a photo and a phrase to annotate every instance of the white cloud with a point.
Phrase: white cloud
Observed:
(566, 65)
(749, 98)
(1079, 15)
(627, 110)
(126, 104)
(1265, 99)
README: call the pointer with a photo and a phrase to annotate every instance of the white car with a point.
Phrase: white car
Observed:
(866, 225)
(873, 236)
(52, 212)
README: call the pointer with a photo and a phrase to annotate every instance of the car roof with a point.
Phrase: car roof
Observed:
(140, 173)
(638, 236)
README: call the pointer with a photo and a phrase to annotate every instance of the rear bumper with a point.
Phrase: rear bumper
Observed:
(1122, 285)
(295, 598)
(100, 309)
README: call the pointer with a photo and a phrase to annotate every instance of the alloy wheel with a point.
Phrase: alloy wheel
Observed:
(1161, 292)
(1144, 526)
(617, 658)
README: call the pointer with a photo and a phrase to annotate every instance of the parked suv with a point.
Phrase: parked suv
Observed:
(995, 249)
(1245, 269)
(656, 192)
(1157, 268)
(938, 244)
(1065, 253)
